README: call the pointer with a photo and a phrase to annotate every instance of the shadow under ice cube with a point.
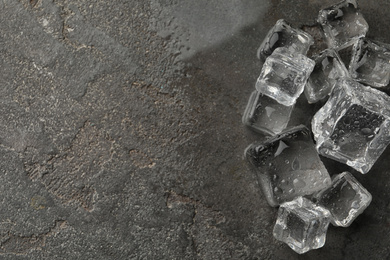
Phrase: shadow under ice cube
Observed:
(353, 126)
(343, 24)
(302, 225)
(288, 166)
(283, 35)
(370, 63)
(265, 115)
(345, 199)
(284, 75)
(328, 68)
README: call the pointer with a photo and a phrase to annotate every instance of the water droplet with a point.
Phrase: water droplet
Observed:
(355, 204)
(295, 164)
(366, 131)
(298, 183)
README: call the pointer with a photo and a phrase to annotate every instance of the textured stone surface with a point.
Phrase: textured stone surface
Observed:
(121, 134)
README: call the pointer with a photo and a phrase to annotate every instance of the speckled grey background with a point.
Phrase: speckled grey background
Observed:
(121, 135)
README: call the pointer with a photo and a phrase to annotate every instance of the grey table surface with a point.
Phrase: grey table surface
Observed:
(121, 135)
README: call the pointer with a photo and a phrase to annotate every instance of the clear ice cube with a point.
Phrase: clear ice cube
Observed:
(265, 115)
(328, 68)
(302, 225)
(343, 24)
(345, 199)
(370, 63)
(283, 35)
(288, 166)
(353, 126)
(284, 75)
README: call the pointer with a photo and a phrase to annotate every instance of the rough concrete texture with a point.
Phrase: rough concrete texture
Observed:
(121, 135)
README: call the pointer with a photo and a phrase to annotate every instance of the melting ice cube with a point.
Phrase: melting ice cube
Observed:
(345, 199)
(370, 63)
(288, 166)
(302, 225)
(343, 24)
(353, 126)
(283, 35)
(328, 68)
(284, 75)
(265, 115)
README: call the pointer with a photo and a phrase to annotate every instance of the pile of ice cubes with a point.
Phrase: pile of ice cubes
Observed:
(352, 127)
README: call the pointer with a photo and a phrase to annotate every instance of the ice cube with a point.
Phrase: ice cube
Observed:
(370, 63)
(284, 75)
(343, 24)
(283, 35)
(265, 115)
(288, 166)
(353, 126)
(328, 68)
(345, 199)
(302, 225)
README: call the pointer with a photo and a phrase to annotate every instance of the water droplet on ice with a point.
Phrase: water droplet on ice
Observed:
(355, 205)
(298, 183)
(295, 164)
